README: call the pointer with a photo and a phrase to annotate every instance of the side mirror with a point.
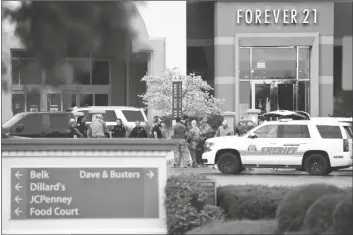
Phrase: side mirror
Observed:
(252, 136)
(20, 128)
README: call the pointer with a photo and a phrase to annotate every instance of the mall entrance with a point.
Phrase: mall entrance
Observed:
(270, 95)
(278, 78)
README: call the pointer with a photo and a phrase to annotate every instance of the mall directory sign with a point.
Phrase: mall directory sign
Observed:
(84, 193)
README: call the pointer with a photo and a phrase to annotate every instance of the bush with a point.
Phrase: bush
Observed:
(292, 208)
(252, 202)
(238, 227)
(342, 217)
(186, 204)
(318, 218)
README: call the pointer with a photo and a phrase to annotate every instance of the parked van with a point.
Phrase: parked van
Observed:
(39, 124)
(129, 115)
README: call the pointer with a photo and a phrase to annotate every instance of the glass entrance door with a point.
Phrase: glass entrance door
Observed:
(279, 95)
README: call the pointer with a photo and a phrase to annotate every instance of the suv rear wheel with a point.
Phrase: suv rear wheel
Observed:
(317, 164)
(229, 163)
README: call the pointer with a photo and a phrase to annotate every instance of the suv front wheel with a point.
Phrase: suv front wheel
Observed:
(317, 164)
(229, 163)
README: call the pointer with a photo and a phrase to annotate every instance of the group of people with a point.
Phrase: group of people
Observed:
(191, 135)
(98, 129)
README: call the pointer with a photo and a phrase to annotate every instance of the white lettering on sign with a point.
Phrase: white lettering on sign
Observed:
(41, 186)
(90, 175)
(124, 175)
(66, 212)
(286, 16)
(43, 174)
(38, 199)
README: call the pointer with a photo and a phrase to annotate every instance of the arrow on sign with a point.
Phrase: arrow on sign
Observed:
(18, 199)
(18, 187)
(150, 174)
(17, 211)
(18, 174)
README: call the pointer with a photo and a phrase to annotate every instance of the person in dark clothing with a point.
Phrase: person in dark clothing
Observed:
(119, 130)
(74, 132)
(82, 126)
(156, 130)
(138, 131)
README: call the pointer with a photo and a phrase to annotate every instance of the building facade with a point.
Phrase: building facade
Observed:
(101, 81)
(293, 55)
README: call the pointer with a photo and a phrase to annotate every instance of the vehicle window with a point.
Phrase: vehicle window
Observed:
(329, 132)
(269, 131)
(87, 115)
(294, 131)
(133, 115)
(349, 131)
(32, 124)
(59, 121)
(108, 116)
(9, 123)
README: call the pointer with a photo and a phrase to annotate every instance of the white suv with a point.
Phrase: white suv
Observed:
(318, 146)
(129, 115)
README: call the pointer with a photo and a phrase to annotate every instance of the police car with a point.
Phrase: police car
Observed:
(319, 146)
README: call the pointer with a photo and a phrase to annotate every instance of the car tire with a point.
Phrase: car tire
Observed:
(316, 164)
(229, 163)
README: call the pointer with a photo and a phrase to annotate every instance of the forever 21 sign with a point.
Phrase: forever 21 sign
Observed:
(285, 16)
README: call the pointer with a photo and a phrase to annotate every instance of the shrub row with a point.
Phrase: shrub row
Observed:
(257, 209)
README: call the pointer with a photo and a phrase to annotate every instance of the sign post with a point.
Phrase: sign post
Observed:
(177, 99)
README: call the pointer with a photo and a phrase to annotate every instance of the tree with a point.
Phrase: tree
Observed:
(53, 29)
(196, 98)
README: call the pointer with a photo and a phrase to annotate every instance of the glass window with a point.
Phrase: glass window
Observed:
(33, 124)
(133, 116)
(274, 63)
(54, 102)
(30, 72)
(86, 100)
(87, 115)
(302, 96)
(269, 131)
(12, 121)
(59, 121)
(294, 131)
(33, 102)
(18, 103)
(109, 116)
(329, 132)
(15, 68)
(100, 72)
(304, 62)
(244, 63)
(349, 132)
(69, 101)
(101, 100)
(82, 71)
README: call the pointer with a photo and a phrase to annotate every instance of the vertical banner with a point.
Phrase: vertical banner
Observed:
(177, 99)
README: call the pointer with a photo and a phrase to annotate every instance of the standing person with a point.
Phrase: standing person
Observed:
(97, 129)
(119, 130)
(181, 152)
(156, 131)
(164, 130)
(224, 130)
(193, 139)
(138, 131)
(205, 133)
(82, 126)
(74, 132)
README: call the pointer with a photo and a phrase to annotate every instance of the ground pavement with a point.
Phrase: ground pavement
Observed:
(287, 177)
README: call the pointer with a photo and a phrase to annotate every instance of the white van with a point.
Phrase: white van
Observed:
(129, 115)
